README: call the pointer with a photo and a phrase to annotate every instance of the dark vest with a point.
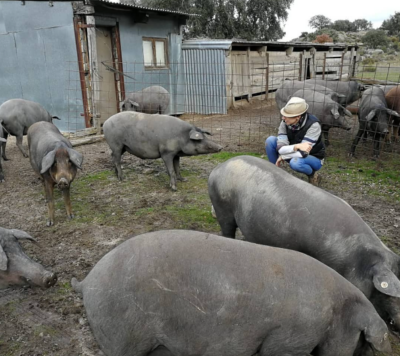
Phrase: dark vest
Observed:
(297, 136)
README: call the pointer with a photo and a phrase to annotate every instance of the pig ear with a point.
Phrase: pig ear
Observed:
(370, 116)
(348, 113)
(392, 112)
(385, 281)
(21, 235)
(2, 139)
(195, 135)
(335, 113)
(206, 132)
(3, 260)
(75, 157)
(48, 161)
(134, 103)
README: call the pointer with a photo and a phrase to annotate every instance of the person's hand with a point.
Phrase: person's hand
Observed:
(279, 161)
(304, 146)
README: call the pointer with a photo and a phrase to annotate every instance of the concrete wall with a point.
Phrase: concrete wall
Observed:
(38, 58)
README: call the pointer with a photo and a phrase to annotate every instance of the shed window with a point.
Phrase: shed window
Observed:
(155, 53)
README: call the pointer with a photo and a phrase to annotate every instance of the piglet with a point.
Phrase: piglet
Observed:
(16, 268)
(54, 160)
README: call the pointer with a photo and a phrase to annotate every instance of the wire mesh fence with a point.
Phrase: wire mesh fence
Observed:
(235, 101)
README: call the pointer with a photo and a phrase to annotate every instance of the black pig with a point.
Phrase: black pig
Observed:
(53, 158)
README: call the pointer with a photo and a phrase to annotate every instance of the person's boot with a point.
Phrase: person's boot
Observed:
(315, 179)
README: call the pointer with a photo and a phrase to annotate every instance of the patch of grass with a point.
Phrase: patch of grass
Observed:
(64, 288)
(224, 156)
(9, 348)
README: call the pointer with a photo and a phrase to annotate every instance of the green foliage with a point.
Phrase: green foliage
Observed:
(362, 25)
(344, 25)
(245, 19)
(392, 25)
(319, 22)
(368, 61)
(369, 69)
(375, 38)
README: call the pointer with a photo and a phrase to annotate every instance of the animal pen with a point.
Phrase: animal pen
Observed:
(228, 88)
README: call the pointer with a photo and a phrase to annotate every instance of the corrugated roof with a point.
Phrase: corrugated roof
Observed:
(228, 43)
(132, 6)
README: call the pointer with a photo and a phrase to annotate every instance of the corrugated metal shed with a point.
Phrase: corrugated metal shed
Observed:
(205, 80)
(138, 7)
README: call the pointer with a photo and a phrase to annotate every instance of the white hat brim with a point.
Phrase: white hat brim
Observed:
(284, 113)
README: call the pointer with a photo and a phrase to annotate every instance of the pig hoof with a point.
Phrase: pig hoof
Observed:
(70, 217)
(173, 187)
(182, 179)
(49, 223)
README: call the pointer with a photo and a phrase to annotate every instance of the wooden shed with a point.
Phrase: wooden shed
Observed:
(236, 69)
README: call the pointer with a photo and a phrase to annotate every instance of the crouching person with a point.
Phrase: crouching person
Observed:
(299, 141)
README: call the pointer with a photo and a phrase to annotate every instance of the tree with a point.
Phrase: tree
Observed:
(392, 25)
(245, 19)
(343, 25)
(362, 25)
(319, 22)
(375, 38)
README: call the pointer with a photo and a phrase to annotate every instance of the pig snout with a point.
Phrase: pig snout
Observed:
(214, 147)
(63, 183)
(49, 279)
(45, 280)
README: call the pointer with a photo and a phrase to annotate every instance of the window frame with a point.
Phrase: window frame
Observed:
(153, 41)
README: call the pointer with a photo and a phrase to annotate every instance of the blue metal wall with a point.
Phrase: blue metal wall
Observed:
(38, 58)
(131, 35)
(205, 77)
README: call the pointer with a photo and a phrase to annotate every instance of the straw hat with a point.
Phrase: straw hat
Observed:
(294, 107)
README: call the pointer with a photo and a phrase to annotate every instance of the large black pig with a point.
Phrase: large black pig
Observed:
(16, 268)
(373, 117)
(272, 207)
(17, 115)
(53, 159)
(154, 136)
(178, 293)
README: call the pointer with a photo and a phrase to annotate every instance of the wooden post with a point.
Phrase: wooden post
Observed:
(341, 66)
(301, 66)
(324, 66)
(249, 88)
(267, 77)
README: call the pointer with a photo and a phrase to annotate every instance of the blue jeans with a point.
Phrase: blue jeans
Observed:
(307, 165)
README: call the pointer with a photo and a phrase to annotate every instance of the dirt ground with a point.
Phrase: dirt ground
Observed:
(52, 322)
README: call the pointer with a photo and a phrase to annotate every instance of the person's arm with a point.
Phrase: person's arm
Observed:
(284, 148)
(309, 140)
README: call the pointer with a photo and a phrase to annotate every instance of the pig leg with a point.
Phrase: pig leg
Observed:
(1, 173)
(326, 132)
(160, 351)
(178, 170)
(169, 164)
(3, 147)
(377, 144)
(116, 158)
(67, 202)
(355, 142)
(19, 144)
(49, 187)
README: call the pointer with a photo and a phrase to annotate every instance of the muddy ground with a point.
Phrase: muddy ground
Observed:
(53, 322)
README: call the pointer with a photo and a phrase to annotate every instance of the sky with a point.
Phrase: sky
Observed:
(301, 11)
